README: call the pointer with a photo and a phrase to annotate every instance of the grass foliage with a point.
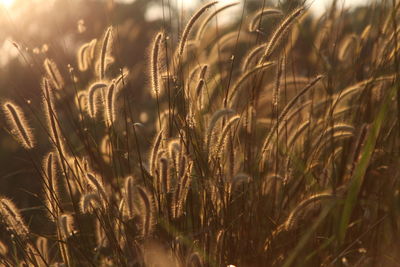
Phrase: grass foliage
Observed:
(272, 142)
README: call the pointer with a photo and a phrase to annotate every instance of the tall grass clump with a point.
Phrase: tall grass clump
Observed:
(267, 144)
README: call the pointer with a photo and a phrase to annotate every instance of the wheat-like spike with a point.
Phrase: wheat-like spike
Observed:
(224, 134)
(129, 196)
(342, 111)
(293, 216)
(262, 13)
(199, 88)
(50, 187)
(251, 55)
(175, 152)
(81, 101)
(200, 85)
(120, 81)
(92, 50)
(3, 249)
(348, 42)
(19, 125)
(284, 112)
(336, 132)
(195, 70)
(358, 86)
(189, 26)
(93, 88)
(53, 73)
(12, 217)
(106, 149)
(154, 152)
(394, 52)
(181, 169)
(249, 118)
(280, 31)
(277, 88)
(204, 23)
(154, 64)
(335, 128)
(51, 117)
(110, 104)
(219, 114)
(90, 202)
(199, 71)
(82, 56)
(203, 71)
(97, 185)
(43, 250)
(365, 33)
(235, 88)
(292, 138)
(78, 168)
(181, 192)
(105, 52)
(174, 147)
(213, 122)
(231, 163)
(147, 211)
(66, 224)
(165, 175)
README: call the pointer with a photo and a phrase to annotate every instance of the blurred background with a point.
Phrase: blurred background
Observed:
(31, 30)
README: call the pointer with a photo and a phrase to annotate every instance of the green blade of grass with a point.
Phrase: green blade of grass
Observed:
(360, 169)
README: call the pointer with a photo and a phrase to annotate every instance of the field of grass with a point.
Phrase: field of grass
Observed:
(269, 140)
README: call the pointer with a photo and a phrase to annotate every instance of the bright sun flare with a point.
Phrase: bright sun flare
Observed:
(6, 3)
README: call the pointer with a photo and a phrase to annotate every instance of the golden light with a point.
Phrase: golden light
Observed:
(6, 3)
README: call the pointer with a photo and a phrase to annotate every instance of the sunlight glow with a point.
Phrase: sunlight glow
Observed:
(6, 3)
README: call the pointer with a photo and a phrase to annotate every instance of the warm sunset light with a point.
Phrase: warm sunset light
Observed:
(200, 133)
(6, 3)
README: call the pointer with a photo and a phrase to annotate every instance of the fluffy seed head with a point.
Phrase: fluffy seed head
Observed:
(262, 13)
(19, 126)
(50, 186)
(154, 64)
(147, 211)
(280, 31)
(91, 97)
(110, 104)
(105, 53)
(204, 23)
(54, 129)
(90, 202)
(98, 186)
(12, 218)
(129, 196)
(189, 26)
(82, 58)
(53, 74)
(213, 122)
